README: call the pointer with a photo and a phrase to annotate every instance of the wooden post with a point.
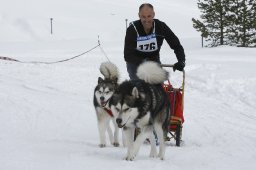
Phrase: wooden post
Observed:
(51, 24)
(126, 20)
(202, 41)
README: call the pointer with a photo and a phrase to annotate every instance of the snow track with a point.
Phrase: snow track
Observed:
(47, 118)
(46, 115)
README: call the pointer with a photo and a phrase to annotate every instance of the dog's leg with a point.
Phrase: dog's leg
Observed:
(153, 152)
(160, 135)
(116, 134)
(102, 127)
(110, 133)
(129, 135)
(145, 132)
(124, 138)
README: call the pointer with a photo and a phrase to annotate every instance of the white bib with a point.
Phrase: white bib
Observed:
(146, 43)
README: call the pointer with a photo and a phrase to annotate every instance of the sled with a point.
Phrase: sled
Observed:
(176, 97)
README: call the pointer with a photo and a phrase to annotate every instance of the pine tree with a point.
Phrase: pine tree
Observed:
(242, 31)
(253, 41)
(214, 21)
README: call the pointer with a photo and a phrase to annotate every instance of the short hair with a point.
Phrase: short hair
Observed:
(146, 4)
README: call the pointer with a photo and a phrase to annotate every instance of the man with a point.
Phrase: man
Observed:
(144, 39)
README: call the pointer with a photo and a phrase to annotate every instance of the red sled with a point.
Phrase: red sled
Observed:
(176, 97)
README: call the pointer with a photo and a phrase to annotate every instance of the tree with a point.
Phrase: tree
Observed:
(242, 31)
(231, 22)
(214, 21)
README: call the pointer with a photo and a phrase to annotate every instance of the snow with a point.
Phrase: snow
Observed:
(47, 118)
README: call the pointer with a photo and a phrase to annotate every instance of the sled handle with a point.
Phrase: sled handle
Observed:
(183, 82)
(183, 71)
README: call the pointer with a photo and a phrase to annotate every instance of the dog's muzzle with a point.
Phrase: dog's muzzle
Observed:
(103, 103)
(119, 122)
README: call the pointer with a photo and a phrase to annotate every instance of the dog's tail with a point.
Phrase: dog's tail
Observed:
(152, 73)
(109, 71)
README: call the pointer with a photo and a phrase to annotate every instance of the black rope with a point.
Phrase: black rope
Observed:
(54, 62)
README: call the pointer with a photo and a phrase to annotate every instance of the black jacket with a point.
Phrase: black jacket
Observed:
(162, 31)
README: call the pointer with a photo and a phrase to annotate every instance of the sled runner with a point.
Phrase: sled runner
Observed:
(176, 97)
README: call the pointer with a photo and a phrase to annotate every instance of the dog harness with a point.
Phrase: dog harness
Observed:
(146, 43)
(109, 112)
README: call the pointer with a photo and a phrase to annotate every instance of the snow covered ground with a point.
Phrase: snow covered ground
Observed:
(47, 119)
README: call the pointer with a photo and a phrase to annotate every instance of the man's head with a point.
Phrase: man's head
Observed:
(146, 15)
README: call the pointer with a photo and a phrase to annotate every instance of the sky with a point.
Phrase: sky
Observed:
(47, 117)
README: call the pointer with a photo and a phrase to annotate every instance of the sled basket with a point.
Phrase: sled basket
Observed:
(176, 104)
(176, 98)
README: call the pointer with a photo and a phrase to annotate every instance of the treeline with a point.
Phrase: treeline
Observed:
(227, 22)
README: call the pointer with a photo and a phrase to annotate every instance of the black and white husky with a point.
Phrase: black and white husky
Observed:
(102, 95)
(143, 104)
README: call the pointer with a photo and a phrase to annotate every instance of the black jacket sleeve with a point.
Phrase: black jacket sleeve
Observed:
(174, 43)
(130, 46)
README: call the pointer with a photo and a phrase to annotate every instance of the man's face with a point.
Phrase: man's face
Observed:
(146, 16)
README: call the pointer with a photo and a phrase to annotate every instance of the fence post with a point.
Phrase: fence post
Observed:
(51, 24)
(126, 20)
(202, 41)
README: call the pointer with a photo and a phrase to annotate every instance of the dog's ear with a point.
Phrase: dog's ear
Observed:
(135, 92)
(100, 80)
(142, 96)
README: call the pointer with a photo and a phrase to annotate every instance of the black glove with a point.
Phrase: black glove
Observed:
(179, 66)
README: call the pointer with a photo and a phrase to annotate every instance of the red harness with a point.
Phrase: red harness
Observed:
(109, 112)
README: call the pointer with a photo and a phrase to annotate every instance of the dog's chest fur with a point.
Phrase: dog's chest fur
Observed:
(144, 121)
(101, 113)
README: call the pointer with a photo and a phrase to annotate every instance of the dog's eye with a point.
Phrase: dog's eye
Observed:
(107, 92)
(118, 110)
(125, 110)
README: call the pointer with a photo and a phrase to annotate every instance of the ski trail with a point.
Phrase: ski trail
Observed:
(220, 112)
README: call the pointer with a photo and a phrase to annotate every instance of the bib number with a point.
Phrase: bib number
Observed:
(147, 43)
(146, 47)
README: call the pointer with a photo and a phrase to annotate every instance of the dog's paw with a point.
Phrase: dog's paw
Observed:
(153, 154)
(161, 156)
(102, 145)
(129, 158)
(116, 144)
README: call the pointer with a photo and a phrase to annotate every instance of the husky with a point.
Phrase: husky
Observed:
(143, 104)
(102, 95)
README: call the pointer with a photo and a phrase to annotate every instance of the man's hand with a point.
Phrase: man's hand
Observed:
(179, 66)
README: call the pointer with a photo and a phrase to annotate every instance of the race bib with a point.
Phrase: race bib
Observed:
(147, 43)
